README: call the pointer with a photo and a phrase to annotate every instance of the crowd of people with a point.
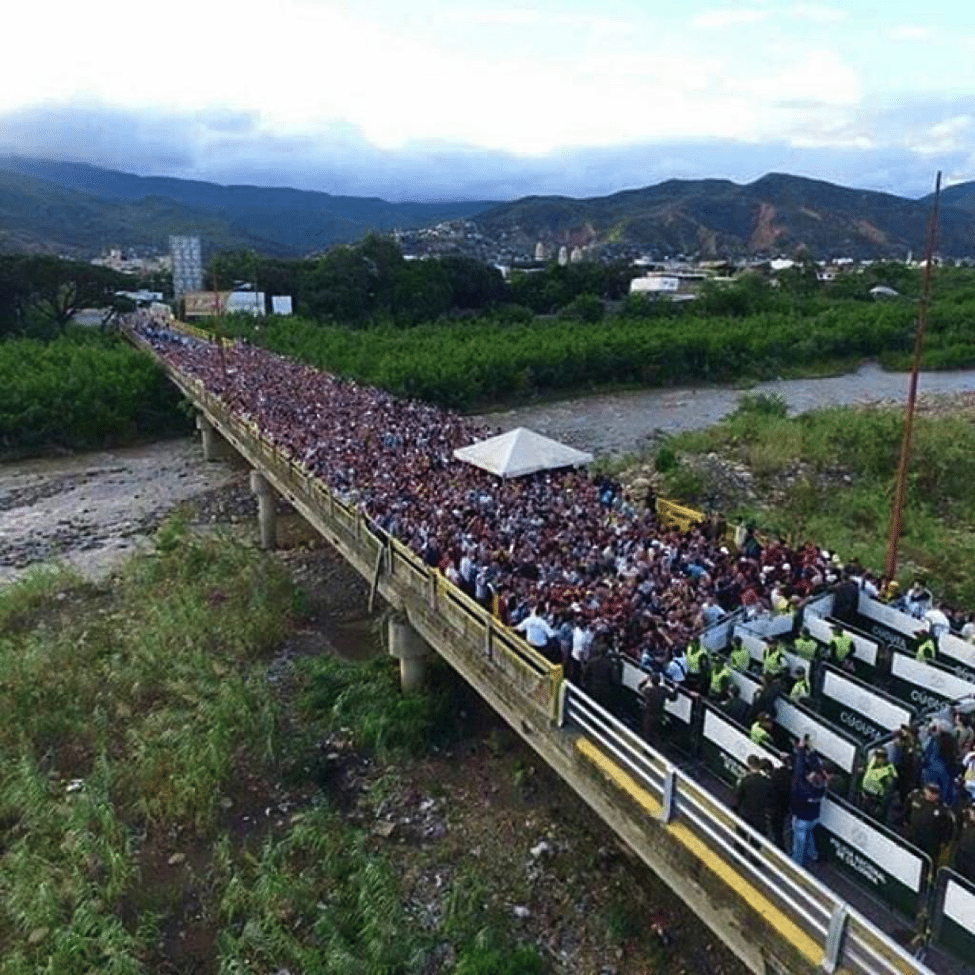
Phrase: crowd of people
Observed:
(569, 560)
(570, 548)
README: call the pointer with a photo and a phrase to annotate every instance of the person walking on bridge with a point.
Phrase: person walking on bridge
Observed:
(808, 790)
(753, 796)
(537, 631)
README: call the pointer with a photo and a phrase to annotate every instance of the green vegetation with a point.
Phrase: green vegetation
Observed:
(142, 744)
(745, 331)
(82, 390)
(832, 474)
(40, 294)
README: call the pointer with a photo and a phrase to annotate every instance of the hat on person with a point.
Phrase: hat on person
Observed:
(932, 786)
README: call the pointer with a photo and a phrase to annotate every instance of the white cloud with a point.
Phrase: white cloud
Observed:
(948, 135)
(728, 17)
(817, 12)
(910, 32)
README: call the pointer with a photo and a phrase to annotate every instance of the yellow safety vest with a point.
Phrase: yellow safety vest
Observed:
(806, 647)
(695, 655)
(844, 646)
(926, 650)
(774, 662)
(800, 689)
(876, 778)
(760, 736)
(739, 658)
(718, 677)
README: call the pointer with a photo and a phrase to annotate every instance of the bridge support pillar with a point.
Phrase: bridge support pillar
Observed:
(411, 650)
(266, 512)
(209, 437)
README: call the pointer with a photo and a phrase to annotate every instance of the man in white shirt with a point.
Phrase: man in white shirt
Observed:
(536, 629)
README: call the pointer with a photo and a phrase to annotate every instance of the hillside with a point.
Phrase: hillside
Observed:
(80, 209)
(39, 217)
(961, 196)
(777, 214)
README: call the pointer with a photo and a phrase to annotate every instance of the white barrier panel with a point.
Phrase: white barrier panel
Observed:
(925, 685)
(726, 748)
(714, 638)
(850, 704)
(827, 742)
(863, 648)
(959, 654)
(821, 606)
(957, 927)
(839, 750)
(747, 685)
(770, 625)
(889, 625)
(878, 859)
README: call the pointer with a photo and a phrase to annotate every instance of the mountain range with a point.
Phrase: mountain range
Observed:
(776, 215)
(77, 209)
(80, 210)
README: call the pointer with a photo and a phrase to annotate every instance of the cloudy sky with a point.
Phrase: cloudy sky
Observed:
(490, 99)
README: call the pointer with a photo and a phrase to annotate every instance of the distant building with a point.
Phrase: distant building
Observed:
(187, 265)
(540, 251)
(671, 285)
(563, 256)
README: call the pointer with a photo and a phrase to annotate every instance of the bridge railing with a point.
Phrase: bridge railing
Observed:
(843, 936)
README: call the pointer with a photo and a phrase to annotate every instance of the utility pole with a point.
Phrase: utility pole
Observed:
(897, 514)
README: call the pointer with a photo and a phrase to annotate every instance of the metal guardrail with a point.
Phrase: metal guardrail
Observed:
(846, 939)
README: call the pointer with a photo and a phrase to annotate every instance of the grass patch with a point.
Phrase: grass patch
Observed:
(834, 470)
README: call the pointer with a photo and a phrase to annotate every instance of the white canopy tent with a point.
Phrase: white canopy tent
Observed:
(521, 451)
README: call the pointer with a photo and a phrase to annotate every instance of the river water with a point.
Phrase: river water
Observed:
(626, 422)
(94, 510)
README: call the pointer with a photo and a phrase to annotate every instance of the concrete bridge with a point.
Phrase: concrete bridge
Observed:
(774, 916)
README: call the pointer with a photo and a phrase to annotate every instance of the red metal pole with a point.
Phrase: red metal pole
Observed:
(897, 514)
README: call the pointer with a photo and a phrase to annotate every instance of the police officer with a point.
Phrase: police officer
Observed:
(801, 690)
(927, 649)
(739, 657)
(841, 648)
(930, 824)
(774, 663)
(698, 665)
(655, 696)
(761, 731)
(753, 796)
(720, 680)
(735, 706)
(877, 788)
(805, 646)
